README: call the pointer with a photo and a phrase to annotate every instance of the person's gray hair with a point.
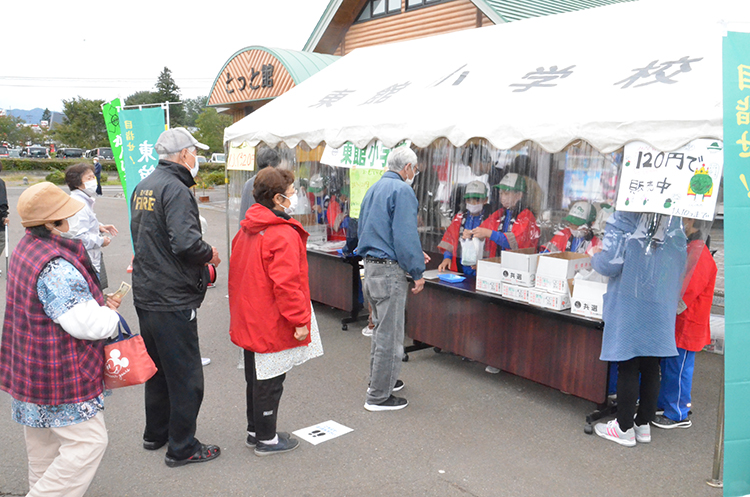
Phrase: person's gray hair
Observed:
(400, 157)
(171, 157)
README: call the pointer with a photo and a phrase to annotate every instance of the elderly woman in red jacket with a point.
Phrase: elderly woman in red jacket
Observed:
(269, 303)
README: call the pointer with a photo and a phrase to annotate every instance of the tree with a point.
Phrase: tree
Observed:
(211, 126)
(46, 115)
(193, 108)
(83, 125)
(143, 98)
(13, 131)
(168, 91)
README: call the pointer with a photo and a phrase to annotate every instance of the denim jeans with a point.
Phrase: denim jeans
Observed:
(385, 290)
(175, 393)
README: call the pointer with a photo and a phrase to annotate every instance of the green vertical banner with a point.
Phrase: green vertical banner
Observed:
(736, 69)
(139, 129)
(112, 121)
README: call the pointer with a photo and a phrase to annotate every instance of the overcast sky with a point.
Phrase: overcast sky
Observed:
(53, 50)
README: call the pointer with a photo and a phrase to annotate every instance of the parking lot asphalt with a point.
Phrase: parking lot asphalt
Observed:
(464, 433)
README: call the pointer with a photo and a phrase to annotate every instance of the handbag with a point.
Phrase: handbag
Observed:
(126, 361)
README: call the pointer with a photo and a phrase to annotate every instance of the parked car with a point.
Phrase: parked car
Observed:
(67, 153)
(35, 151)
(201, 160)
(4, 152)
(102, 153)
(218, 158)
(14, 153)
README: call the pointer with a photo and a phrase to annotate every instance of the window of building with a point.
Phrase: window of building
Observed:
(412, 4)
(379, 8)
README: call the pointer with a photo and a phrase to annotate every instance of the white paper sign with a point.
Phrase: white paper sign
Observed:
(684, 182)
(374, 156)
(323, 431)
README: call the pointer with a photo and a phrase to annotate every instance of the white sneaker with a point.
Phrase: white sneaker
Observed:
(611, 431)
(367, 331)
(205, 361)
(642, 433)
(491, 370)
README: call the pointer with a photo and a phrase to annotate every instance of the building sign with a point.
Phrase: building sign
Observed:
(251, 81)
(682, 183)
(253, 74)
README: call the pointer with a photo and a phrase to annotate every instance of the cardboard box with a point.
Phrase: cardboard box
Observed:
(318, 234)
(490, 269)
(517, 267)
(556, 301)
(588, 298)
(489, 285)
(554, 270)
(515, 292)
(525, 260)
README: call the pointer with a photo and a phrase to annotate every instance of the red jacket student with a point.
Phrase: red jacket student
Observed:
(692, 330)
(512, 226)
(576, 234)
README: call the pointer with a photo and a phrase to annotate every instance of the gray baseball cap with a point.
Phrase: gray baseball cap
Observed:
(175, 139)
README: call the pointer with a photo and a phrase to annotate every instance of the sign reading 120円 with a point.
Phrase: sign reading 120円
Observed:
(684, 182)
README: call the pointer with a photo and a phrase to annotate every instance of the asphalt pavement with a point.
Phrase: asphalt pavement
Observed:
(464, 433)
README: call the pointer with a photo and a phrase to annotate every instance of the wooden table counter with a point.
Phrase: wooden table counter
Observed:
(554, 348)
(334, 281)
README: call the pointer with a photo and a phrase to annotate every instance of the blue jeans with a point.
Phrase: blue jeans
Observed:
(385, 290)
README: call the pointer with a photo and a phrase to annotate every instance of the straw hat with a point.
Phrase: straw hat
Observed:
(45, 203)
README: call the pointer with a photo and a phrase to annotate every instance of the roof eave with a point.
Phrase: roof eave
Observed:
(322, 26)
(491, 13)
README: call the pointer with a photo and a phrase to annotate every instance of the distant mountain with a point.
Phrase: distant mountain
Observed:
(30, 116)
(34, 116)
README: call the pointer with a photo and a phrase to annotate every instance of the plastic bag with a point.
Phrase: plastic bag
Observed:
(470, 251)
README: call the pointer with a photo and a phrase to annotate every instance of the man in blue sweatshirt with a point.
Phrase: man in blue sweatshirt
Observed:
(389, 244)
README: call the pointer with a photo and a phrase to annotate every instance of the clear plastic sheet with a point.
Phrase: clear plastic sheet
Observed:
(557, 189)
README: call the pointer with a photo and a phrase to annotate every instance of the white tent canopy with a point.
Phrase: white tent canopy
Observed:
(648, 70)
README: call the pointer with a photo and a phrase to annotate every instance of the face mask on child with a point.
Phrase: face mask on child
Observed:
(474, 209)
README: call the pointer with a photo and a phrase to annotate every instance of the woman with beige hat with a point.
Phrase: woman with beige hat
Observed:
(52, 350)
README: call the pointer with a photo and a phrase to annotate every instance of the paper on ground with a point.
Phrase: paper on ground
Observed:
(322, 431)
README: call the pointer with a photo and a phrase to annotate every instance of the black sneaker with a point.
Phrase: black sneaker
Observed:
(393, 403)
(667, 424)
(251, 441)
(153, 444)
(398, 386)
(283, 445)
(203, 454)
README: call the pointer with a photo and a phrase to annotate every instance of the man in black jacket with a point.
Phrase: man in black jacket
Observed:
(169, 284)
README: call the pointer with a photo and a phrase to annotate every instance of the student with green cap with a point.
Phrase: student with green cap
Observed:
(512, 226)
(474, 213)
(575, 235)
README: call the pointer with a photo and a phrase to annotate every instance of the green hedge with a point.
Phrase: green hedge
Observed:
(62, 164)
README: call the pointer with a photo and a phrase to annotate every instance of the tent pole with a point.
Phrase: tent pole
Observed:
(716, 480)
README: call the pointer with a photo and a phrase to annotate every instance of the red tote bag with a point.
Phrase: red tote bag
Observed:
(126, 361)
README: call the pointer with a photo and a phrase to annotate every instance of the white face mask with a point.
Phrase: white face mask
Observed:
(474, 208)
(194, 171)
(411, 180)
(292, 204)
(89, 188)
